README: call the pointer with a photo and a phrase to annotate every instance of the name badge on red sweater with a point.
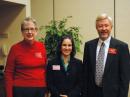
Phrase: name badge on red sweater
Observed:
(55, 67)
(38, 54)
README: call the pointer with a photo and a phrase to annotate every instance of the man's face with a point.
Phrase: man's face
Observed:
(104, 28)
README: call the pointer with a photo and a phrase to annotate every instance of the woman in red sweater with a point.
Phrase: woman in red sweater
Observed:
(25, 68)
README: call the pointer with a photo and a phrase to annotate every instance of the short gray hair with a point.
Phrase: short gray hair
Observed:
(28, 19)
(104, 16)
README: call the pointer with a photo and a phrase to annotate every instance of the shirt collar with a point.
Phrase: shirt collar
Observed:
(107, 41)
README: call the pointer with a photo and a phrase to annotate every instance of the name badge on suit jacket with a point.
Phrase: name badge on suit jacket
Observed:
(55, 67)
(112, 51)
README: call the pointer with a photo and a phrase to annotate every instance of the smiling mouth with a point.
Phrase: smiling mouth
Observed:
(66, 52)
(29, 35)
(103, 33)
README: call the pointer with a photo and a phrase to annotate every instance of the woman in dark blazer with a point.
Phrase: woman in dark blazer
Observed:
(64, 72)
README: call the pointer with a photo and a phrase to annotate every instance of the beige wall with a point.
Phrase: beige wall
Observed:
(84, 13)
(11, 16)
(42, 11)
(123, 20)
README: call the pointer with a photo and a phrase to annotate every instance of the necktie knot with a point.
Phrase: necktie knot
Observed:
(103, 44)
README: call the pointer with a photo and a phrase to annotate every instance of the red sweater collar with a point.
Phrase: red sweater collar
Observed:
(27, 44)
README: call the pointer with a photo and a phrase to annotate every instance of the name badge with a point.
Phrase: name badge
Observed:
(112, 51)
(55, 67)
(38, 54)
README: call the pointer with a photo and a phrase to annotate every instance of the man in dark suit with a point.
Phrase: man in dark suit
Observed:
(114, 76)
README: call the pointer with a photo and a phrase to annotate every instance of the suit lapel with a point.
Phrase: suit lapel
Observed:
(93, 50)
(109, 56)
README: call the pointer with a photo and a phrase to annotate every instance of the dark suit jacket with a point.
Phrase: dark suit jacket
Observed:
(67, 82)
(116, 72)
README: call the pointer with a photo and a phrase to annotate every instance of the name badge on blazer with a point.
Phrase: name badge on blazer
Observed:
(112, 51)
(55, 67)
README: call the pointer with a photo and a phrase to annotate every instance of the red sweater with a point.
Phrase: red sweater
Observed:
(25, 66)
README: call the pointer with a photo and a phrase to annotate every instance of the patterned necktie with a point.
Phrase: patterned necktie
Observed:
(99, 65)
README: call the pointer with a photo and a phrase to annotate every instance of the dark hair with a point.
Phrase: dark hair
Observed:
(60, 44)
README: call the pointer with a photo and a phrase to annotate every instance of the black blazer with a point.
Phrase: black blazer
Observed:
(67, 82)
(116, 72)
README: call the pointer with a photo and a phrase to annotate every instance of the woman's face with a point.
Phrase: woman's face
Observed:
(29, 31)
(66, 47)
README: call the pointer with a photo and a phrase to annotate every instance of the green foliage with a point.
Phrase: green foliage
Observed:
(53, 32)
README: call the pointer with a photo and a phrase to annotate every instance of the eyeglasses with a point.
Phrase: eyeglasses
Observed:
(29, 29)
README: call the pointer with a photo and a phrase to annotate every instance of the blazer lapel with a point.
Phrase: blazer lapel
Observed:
(61, 65)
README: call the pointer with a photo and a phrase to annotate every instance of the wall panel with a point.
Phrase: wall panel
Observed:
(123, 20)
(84, 13)
(42, 11)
